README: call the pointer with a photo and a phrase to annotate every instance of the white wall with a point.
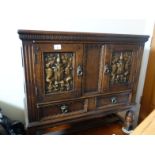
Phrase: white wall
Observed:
(66, 15)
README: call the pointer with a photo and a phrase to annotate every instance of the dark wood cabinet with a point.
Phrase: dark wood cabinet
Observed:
(74, 76)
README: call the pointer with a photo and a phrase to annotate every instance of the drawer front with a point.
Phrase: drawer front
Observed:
(113, 100)
(62, 109)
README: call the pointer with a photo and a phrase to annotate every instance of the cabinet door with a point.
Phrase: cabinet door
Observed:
(119, 66)
(58, 71)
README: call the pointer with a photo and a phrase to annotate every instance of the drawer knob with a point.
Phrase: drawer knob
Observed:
(113, 100)
(64, 108)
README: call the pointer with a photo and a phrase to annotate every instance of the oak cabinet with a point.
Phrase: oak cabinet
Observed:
(73, 76)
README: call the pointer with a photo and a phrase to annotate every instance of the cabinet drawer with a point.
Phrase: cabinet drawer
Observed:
(113, 100)
(62, 109)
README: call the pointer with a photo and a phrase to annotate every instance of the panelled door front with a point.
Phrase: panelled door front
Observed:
(58, 71)
(120, 66)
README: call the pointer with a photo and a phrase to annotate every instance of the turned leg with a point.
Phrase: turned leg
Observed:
(128, 122)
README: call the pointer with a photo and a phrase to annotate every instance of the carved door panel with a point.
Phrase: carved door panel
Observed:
(58, 71)
(119, 66)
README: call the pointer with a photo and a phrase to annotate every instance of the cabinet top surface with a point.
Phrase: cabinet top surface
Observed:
(79, 36)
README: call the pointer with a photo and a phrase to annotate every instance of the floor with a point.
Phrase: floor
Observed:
(109, 125)
(108, 129)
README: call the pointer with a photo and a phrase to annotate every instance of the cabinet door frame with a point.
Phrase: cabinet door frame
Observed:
(40, 50)
(109, 52)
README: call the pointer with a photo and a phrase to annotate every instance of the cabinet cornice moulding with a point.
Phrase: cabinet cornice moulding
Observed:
(35, 35)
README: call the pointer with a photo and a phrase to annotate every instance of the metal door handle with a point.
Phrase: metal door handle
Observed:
(79, 71)
(107, 69)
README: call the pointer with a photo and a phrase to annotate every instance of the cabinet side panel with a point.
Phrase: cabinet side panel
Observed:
(28, 57)
(137, 67)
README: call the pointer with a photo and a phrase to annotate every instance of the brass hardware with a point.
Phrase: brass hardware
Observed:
(107, 69)
(58, 72)
(113, 100)
(79, 71)
(64, 108)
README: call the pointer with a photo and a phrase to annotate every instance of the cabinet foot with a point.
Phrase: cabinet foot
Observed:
(128, 123)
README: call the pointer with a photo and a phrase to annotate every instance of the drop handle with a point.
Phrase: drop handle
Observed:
(107, 69)
(79, 71)
(114, 100)
(64, 108)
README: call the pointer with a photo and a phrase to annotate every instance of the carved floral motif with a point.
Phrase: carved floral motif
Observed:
(58, 72)
(120, 67)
